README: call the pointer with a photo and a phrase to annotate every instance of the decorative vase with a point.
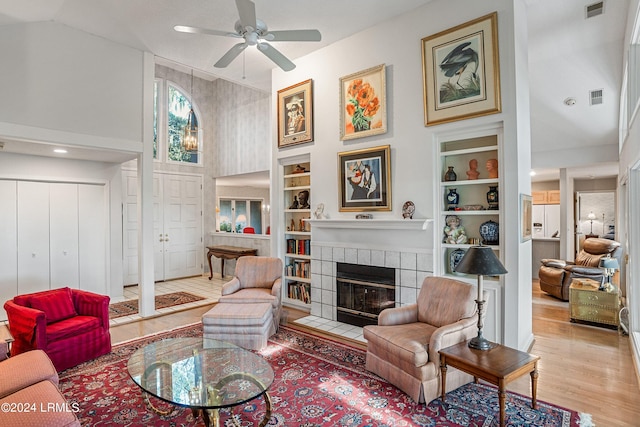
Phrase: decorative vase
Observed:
(492, 197)
(450, 175)
(490, 233)
(453, 198)
(454, 259)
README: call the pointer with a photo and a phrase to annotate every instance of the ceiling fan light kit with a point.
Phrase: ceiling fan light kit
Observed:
(255, 33)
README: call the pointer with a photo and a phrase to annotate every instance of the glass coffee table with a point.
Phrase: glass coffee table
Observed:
(202, 374)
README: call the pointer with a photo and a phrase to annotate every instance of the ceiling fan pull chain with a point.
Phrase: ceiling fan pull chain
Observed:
(244, 55)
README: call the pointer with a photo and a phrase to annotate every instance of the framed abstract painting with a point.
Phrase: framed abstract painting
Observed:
(364, 180)
(461, 72)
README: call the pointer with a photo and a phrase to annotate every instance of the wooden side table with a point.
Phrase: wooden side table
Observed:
(499, 366)
(588, 303)
(227, 252)
(6, 337)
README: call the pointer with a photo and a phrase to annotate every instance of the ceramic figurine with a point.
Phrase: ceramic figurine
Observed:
(408, 209)
(492, 168)
(473, 173)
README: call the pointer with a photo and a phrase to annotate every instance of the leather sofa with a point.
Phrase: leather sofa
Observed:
(29, 394)
(403, 347)
(70, 325)
(556, 275)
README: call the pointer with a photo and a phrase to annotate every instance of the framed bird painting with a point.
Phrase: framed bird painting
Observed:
(461, 72)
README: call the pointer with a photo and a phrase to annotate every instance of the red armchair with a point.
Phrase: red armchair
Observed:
(70, 325)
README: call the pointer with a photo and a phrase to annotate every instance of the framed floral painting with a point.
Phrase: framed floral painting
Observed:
(295, 114)
(363, 103)
(461, 72)
(364, 180)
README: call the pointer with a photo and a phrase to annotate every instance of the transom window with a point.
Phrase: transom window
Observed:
(178, 107)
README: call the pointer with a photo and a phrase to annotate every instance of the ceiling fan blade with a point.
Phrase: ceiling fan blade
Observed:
(230, 55)
(294, 36)
(196, 30)
(247, 12)
(277, 57)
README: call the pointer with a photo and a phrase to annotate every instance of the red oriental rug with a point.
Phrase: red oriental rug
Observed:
(318, 382)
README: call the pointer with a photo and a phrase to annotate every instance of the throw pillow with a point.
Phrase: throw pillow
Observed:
(57, 304)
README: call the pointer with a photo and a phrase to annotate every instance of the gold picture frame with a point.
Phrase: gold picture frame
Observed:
(295, 114)
(461, 72)
(363, 103)
(364, 180)
(526, 217)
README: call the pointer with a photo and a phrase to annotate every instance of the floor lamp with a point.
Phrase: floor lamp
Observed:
(482, 261)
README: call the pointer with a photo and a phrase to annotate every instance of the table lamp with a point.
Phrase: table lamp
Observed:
(609, 265)
(482, 261)
(591, 217)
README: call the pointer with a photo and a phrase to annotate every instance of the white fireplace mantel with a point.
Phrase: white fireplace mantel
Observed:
(372, 224)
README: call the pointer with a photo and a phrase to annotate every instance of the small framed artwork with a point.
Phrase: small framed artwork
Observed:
(363, 103)
(295, 114)
(526, 217)
(461, 72)
(364, 180)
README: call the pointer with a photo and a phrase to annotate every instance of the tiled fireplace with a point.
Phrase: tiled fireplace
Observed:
(405, 246)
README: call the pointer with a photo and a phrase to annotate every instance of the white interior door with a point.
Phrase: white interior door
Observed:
(33, 236)
(63, 217)
(130, 227)
(92, 238)
(158, 228)
(8, 244)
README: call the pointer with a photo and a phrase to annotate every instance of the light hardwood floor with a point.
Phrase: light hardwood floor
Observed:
(582, 367)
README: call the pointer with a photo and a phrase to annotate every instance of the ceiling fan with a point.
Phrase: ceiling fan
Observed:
(255, 33)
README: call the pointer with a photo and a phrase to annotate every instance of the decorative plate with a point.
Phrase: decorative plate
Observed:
(489, 231)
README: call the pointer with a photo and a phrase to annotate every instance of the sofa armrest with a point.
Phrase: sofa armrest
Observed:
(25, 369)
(27, 325)
(92, 304)
(398, 315)
(276, 288)
(231, 286)
(557, 263)
(448, 335)
(583, 271)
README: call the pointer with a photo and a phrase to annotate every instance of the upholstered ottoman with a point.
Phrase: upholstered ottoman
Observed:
(246, 325)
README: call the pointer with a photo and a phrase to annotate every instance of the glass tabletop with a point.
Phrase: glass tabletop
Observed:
(200, 373)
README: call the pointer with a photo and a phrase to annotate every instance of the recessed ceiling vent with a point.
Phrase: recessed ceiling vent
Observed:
(595, 97)
(594, 9)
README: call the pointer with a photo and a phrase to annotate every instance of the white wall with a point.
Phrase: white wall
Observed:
(69, 86)
(397, 43)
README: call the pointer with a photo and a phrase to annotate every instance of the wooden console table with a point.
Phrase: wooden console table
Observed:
(227, 252)
(499, 366)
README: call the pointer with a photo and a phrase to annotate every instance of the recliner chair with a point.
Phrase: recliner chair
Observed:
(556, 275)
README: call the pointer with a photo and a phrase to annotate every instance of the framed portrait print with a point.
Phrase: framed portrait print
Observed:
(364, 180)
(526, 217)
(363, 103)
(461, 72)
(295, 114)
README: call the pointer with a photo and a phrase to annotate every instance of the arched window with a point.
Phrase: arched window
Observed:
(178, 106)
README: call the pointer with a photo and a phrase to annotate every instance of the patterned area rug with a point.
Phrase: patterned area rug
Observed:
(318, 382)
(127, 308)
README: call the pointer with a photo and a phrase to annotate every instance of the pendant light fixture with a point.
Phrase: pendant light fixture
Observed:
(190, 131)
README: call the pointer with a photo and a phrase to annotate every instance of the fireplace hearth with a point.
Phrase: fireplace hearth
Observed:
(363, 291)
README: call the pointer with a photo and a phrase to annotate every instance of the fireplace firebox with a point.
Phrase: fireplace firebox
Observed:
(363, 291)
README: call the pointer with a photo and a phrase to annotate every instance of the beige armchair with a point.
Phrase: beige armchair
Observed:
(403, 347)
(257, 279)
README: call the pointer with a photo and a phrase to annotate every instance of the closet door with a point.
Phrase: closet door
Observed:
(92, 238)
(8, 244)
(33, 237)
(130, 224)
(63, 220)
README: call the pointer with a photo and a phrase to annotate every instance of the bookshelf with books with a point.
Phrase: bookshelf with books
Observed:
(297, 234)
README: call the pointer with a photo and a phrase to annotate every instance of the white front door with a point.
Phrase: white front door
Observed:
(177, 227)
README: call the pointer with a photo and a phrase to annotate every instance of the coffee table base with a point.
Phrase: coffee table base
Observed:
(211, 417)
